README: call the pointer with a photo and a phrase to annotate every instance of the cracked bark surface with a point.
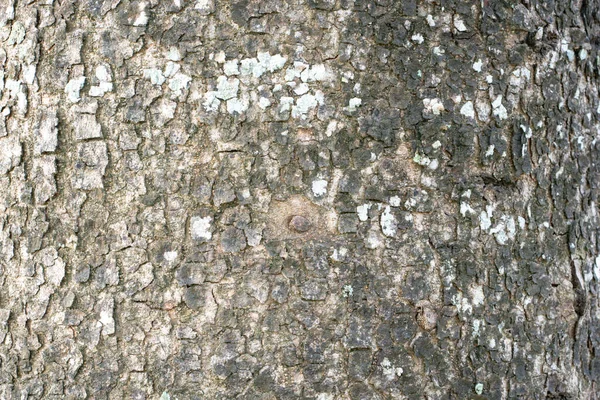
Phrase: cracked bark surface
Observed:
(320, 199)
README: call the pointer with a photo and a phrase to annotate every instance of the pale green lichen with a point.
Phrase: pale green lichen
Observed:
(421, 160)
(479, 388)
(347, 291)
(165, 396)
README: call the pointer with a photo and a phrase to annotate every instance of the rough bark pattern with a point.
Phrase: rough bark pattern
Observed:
(318, 199)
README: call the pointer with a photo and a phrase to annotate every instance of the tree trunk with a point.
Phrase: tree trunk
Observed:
(320, 199)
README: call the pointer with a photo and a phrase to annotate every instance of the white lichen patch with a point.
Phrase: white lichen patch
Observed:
(105, 82)
(339, 255)
(170, 256)
(504, 230)
(519, 76)
(434, 106)
(485, 222)
(596, 268)
(459, 24)
(430, 20)
(477, 296)
(300, 89)
(165, 396)
(347, 291)
(155, 75)
(438, 51)
(317, 73)
(264, 103)
(395, 201)
(73, 88)
(466, 208)
(200, 228)
(103, 73)
(178, 83)
(295, 71)
(421, 160)
(325, 396)
(227, 88)
(498, 108)
(106, 307)
(237, 105)
(389, 371)
(264, 62)
(231, 67)
(16, 90)
(353, 104)
(29, 72)
(417, 38)
(205, 6)
(246, 76)
(479, 389)
(462, 304)
(171, 69)
(211, 102)
(319, 187)
(173, 54)
(389, 225)
(285, 104)
(306, 103)
(142, 17)
(476, 328)
(17, 34)
(272, 63)
(363, 211)
(468, 110)
(410, 203)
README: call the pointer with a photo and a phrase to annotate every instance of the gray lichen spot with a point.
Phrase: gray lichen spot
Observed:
(233, 240)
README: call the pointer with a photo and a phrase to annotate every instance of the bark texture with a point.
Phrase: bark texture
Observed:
(299, 199)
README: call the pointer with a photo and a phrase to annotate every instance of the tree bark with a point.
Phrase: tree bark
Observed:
(320, 199)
